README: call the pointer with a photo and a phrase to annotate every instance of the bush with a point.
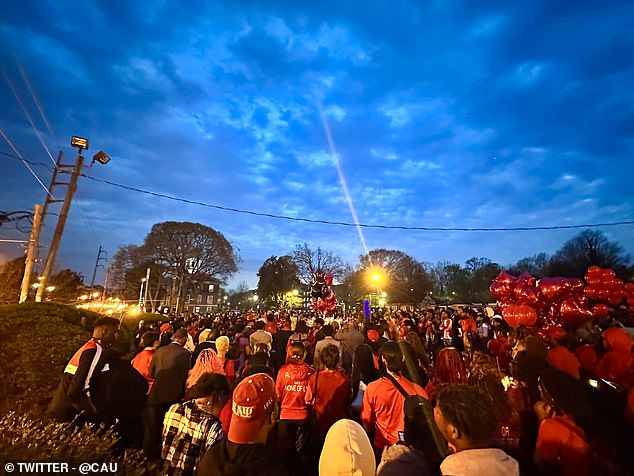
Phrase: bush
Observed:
(36, 342)
(25, 438)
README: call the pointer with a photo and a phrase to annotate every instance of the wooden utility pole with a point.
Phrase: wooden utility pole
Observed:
(31, 252)
(59, 229)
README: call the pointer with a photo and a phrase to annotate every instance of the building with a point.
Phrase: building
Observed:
(203, 296)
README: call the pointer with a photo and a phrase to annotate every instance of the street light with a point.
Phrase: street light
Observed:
(141, 303)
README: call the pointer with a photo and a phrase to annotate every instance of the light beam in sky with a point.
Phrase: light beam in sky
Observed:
(342, 178)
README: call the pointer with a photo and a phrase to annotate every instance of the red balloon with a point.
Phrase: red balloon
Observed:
(526, 278)
(574, 310)
(615, 299)
(525, 293)
(328, 279)
(608, 273)
(553, 288)
(575, 284)
(591, 292)
(600, 310)
(629, 288)
(502, 286)
(518, 314)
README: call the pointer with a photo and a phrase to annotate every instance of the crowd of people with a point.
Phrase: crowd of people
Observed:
(444, 390)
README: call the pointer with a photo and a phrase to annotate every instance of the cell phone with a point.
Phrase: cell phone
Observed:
(401, 436)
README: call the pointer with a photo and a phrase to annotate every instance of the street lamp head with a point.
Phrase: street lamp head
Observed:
(101, 157)
(80, 143)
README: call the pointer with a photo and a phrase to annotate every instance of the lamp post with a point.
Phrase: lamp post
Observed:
(141, 303)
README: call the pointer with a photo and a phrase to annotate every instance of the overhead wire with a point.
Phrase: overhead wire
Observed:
(340, 223)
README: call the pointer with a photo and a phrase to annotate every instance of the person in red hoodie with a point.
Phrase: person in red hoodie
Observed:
(291, 386)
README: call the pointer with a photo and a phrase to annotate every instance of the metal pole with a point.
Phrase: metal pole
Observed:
(147, 286)
(94, 272)
(59, 229)
(31, 252)
(141, 293)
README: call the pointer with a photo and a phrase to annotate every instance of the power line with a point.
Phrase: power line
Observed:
(348, 224)
(337, 223)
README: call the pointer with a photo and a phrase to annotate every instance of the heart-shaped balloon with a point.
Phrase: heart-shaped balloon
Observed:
(519, 314)
(574, 310)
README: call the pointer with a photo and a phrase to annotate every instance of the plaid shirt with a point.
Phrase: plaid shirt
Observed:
(188, 431)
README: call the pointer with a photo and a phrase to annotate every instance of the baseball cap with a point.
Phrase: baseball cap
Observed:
(164, 327)
(252, 400)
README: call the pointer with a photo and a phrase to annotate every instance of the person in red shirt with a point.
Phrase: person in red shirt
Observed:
(271, 326)
(446, 325)
(568, 424)
(382, 412)
(328, 391)
(291, 386)
(141, 362)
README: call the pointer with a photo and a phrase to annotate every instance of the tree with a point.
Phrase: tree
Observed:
(588, 248)
(11, 274)
(480, 273)
(309, 261)
(186, 250)
(67, 284)
(277, 276)
(535, 265)
(191, 248)
(405, 280)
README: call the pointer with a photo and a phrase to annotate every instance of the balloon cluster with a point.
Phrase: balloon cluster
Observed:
(555, 302)
(323, 299)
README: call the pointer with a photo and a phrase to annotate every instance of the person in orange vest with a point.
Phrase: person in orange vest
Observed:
(72, 396)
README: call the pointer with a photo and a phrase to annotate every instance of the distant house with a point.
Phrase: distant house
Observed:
(202, 296)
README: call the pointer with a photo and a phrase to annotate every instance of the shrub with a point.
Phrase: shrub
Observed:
(36, 342)
(25, 438)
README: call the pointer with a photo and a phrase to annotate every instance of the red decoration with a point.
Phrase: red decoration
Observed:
(519, 314)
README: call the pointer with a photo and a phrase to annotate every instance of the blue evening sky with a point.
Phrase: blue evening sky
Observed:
(442, 114)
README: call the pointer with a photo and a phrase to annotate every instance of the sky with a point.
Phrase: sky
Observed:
(442, 114)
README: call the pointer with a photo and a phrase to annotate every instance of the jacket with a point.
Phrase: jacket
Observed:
(73, 392)
(291, 386)
(231, 459)
(169, 369)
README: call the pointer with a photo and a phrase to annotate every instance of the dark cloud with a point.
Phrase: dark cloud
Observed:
(442, 114)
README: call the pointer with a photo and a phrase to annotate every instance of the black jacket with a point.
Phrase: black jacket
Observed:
(231, 459)
(169, 369)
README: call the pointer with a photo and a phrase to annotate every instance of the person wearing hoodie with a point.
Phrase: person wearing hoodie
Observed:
(347, 451)
(291, 387)
(467, 422)
(244, 451)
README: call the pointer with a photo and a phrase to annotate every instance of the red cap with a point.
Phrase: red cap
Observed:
(373, 335)
(252, 399)
(164, 327)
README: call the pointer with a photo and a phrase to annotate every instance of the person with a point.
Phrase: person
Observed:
(291, 387)
(347, 451)
(207, 362)
(260, 340)
(206, 340)
(280, 341)
(350, 337)
(141, 362)
(192, 427)
(363, 372)
(421, 451)
(467, 422)
(121, 394)
(449, 368)
(244, 451)
(382, 409)
(328, 391)
(446, 326)
(568, 426)
(327, 331)
(73, 394)
(228, 366)
(169, 369)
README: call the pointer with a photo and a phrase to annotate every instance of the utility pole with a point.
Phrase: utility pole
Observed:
(31, 252)
(97, 265)
(147, 286)
(59, 229)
